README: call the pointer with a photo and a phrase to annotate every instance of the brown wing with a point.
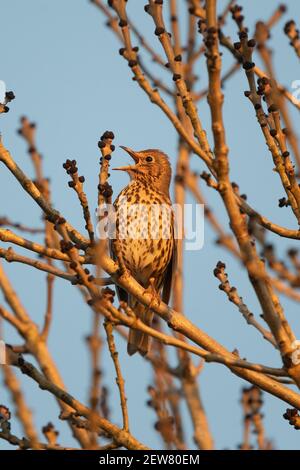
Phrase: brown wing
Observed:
(169, 275)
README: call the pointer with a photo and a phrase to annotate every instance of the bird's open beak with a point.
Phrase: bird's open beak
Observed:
(133, 155)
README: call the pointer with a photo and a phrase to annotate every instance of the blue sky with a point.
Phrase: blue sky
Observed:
(64, 67)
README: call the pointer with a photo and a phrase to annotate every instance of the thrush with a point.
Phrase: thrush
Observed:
(145, 235)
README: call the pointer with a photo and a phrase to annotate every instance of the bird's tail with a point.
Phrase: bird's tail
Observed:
(137, 340)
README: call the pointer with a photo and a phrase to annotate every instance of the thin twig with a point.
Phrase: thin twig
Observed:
(119, 379)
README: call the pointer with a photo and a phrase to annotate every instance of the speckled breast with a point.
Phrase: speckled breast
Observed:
(144, 228)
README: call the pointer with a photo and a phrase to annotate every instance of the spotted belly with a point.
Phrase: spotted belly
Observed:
(144, 229)
(146, 258)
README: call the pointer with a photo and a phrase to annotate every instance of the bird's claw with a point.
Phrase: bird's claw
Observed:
(155, 297)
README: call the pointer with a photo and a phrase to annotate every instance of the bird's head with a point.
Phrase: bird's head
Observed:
(151, 166)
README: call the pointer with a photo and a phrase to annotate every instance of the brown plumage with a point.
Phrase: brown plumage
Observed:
(145, 233)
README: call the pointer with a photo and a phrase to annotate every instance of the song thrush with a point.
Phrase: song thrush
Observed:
(145, 234)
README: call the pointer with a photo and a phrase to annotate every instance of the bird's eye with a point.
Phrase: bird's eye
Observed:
(149, 159)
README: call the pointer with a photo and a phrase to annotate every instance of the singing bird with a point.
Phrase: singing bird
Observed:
(145, 235)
